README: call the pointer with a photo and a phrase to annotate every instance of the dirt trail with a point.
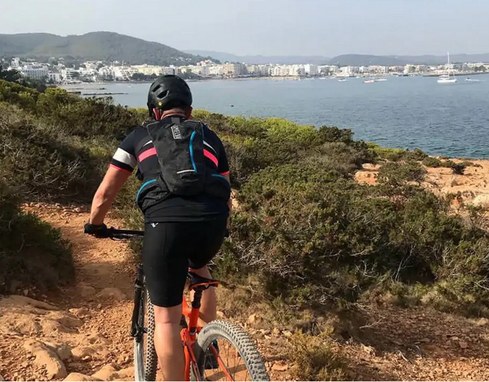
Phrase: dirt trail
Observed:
(85, 328)
(92, 318)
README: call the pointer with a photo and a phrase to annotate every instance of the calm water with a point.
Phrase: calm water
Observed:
(405, 112)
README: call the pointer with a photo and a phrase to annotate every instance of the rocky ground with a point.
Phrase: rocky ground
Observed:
(82, 333)
(472, 187)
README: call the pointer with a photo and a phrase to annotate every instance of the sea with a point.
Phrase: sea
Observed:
(401, 112)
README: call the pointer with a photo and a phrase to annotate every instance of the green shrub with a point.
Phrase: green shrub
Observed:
(15, 94)
(315, 359)
(39, 161)
(396, 174)
(91, 117)
(31, 252)
(395, 155)
(432, 162)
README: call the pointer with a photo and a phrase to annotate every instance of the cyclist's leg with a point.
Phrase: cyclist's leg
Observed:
(210, 242)
(208, 309)
(168, 343)
(165, 268)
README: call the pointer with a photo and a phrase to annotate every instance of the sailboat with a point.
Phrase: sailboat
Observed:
(445, 78)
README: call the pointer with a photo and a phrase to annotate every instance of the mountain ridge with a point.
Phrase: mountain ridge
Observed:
(344, 59)
(260, 59)
(101, 45)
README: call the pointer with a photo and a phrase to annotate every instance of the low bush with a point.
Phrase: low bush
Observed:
(395, 155)
(396, 174)
(32, 253)
(316, 359)
(39, 161)
(432, 162)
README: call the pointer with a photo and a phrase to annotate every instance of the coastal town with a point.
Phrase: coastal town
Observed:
(59, 72)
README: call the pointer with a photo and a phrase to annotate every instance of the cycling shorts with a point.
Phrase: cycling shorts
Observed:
(170, 248)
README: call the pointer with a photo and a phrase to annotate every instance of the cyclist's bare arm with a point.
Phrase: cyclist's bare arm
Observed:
(230, 202)
(112, 183)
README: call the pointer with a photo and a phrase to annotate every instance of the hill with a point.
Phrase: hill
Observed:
(104, 46)
(365, 60)
(258, 59)
(368, 59)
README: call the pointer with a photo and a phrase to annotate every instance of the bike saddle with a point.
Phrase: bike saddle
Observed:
(199, 281)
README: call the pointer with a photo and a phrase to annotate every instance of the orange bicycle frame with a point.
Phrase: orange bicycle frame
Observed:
(189, 334)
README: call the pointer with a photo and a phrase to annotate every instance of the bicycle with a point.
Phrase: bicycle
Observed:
(206, 348)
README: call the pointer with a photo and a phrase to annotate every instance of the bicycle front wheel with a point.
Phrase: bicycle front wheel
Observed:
(145, 359)
(237, 359)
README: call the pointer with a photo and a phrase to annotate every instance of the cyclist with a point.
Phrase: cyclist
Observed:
(181, 232)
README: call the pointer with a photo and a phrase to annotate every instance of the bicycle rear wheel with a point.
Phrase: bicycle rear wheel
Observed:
(238, 359)
(145, 359)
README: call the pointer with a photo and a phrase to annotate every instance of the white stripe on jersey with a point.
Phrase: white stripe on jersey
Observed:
(208, 145)
(124, 157)
(147, 143)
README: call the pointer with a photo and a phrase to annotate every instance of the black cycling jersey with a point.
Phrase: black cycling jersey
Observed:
(137, 150)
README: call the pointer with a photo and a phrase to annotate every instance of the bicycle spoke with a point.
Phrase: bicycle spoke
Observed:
(232, 364)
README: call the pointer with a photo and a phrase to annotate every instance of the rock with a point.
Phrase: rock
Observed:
(425, 340)
(47, 359)
(99, 306)
(22, 300)
(276, 332)
(122, 359)
(82, 312)
(112, 293)
(85, 290)
(128, 372)
(68, 321)
(482, 322)
(280, 366)
(77, 210)
(28, 326)
(287, 333)
(463, 344)
(63, 351)
(80, 352)
(253, 319)
(79, 377)
(106, 373)
(481, 200)
(51, 326)
(220, 314)
(368, 349)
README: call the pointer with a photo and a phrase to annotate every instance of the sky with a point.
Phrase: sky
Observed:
(268, 27)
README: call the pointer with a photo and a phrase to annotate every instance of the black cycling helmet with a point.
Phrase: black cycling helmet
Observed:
(167, 92)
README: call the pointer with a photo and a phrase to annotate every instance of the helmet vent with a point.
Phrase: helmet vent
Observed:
(163, 94)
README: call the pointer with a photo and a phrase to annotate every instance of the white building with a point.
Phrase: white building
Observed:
(216, 70)
(346, 71)
(32, 71)
(54, 77)
(68, 74)
(311, 70)
(15, 63)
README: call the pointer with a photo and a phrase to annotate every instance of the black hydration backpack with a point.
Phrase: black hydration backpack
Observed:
(183, 169)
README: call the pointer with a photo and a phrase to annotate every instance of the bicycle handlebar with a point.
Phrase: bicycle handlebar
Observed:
(115, 233)
(124, 233)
